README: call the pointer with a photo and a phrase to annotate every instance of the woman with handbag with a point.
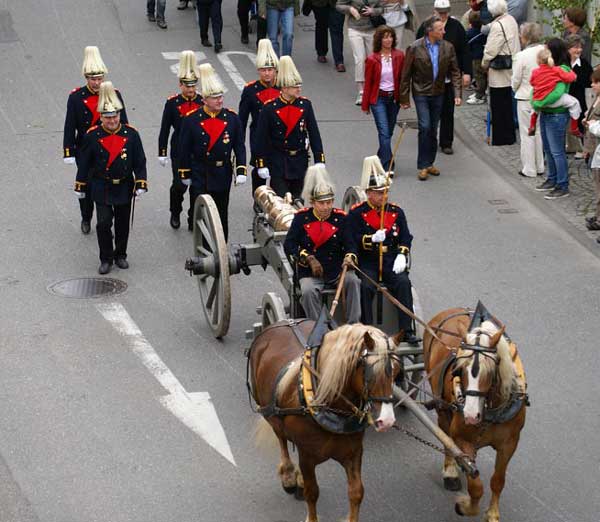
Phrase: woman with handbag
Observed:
(364, 16)
(381, 96)
(501, 46)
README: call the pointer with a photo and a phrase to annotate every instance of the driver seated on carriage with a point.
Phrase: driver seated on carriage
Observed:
(371, 235)
(316, 240)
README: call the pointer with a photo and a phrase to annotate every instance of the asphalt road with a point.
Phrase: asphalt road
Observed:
(84, 432)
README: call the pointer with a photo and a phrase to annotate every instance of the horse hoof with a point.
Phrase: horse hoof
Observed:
(458, 510)
(452, 483)
(299, 494)
(290, 490)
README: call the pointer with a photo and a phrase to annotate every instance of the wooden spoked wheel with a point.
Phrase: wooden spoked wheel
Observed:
(272, 309)
(214, 283)
(352, 196)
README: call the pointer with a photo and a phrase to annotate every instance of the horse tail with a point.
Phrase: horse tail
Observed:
(264, 436)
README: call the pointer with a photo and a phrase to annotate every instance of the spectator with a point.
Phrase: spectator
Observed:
(360, 34)
(476, 40)
(244, 8)
(532, 155)
(501, 46)
(553, 124)
(428, 62)
(454, 33)
(382, 89)
(582, 68)
(280, 13)
(396, 15)
(573, 21)
(155, 11)
(327, 17)
(592, 148)
(210, 10)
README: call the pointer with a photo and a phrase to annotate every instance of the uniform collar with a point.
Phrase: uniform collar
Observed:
(373, 207)
(211, 114)
(321, 219)
(90, 90)
(264, 84)
(286, 101)
(112, 132)
(189, 99)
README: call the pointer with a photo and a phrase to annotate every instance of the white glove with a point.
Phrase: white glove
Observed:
(379, 236)
(240, 179)
(79, 195)
(399, 264)
(320, 164)
(139, 192)
(69, 161)
(263, 173)
(163, 160)
(186, 182)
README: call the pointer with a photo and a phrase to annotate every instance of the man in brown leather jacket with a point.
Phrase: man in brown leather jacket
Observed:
(428, 62)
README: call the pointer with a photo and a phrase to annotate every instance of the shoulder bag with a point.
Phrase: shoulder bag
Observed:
(502, 61)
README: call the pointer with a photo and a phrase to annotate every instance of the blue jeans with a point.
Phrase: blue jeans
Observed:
(160, 8)
(429, 109)
(286, 19)
(385, 112)
(554, 132)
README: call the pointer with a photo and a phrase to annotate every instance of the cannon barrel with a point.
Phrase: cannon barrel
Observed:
(278, 211)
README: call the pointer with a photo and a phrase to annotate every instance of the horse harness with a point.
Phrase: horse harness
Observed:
(503, 413)
(330, 419)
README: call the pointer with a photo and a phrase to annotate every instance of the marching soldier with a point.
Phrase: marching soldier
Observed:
(315, 239)
(365, 237)
(286, 127)
(254, 97)
(112, 166)
(176, 108)
(208, 138)
(82, 114)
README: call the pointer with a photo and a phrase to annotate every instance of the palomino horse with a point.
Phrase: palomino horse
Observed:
(322, 402)
(477, 377)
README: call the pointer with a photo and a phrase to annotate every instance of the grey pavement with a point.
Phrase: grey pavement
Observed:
(83, 434)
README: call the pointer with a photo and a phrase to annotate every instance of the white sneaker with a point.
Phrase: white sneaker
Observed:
(476, 101)
(472, 96)
(358, 100)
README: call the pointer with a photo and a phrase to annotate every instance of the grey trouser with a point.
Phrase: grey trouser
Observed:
(311, 300)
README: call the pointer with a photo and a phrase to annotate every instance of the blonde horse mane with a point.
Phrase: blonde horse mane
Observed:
(339, 355)
(507, 376)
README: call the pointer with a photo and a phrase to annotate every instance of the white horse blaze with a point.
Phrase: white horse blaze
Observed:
(386, 416)
(473, 404)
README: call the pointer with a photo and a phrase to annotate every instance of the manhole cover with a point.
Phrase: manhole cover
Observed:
(87, 287)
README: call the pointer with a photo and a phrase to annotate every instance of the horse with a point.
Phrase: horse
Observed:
(478, 382)
(321, 400)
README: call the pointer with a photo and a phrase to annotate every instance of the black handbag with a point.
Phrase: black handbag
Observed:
(502, 62)
(376, 20)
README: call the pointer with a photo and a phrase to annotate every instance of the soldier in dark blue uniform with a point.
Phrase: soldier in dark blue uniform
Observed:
(286, 127)
(254, 97)
(81, 115)
(176, 108)
(365, 236)
(112, 165)
(316, 241)
(208, 138)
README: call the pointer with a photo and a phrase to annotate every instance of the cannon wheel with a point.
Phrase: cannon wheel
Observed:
(352, 196)
(272, 309)
(214, 284)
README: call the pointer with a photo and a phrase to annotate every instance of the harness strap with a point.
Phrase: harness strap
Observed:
(272, 409)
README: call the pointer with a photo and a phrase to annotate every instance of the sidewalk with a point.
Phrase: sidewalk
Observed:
(471, 129)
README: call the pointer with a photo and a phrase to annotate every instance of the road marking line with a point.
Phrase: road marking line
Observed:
(195, 410)
(232, 70)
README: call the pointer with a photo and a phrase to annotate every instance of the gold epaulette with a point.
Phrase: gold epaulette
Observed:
(92, 128)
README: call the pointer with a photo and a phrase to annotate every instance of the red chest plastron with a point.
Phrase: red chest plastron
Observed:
(266, 95)
(187, 107)
(91, 102)
(289, 115)
(320, 232)
(214, 127)
(373, 219)
(113, 144)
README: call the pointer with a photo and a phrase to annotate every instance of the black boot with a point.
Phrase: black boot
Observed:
(104, 267)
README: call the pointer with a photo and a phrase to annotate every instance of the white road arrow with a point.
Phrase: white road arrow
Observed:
(231, 69)
(195, 410)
